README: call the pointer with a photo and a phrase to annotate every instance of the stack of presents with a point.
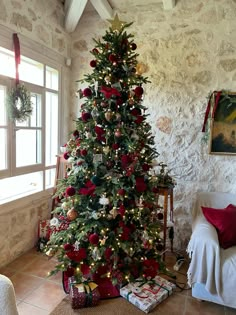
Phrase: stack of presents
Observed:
(145, 295)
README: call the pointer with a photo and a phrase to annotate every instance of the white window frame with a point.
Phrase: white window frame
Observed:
(53, 60)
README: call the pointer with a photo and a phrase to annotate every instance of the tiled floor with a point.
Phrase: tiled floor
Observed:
(38, 295)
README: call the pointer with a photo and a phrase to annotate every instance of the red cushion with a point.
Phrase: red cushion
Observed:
(224, 220)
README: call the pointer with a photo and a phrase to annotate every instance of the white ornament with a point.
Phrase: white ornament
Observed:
(54, 222)
(88, 135)
(96, 254)
(70, 160)
(65, 206)
(95, 215)
(104, 201)
(76, 245)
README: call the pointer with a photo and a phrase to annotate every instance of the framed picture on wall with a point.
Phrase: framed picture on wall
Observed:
(223, 126)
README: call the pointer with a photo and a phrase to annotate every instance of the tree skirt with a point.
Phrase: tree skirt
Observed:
(116, 306)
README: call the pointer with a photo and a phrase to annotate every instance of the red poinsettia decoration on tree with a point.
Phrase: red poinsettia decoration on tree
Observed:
(109, 91)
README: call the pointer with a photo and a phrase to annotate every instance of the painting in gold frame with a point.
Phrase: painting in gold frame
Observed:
(223, 126)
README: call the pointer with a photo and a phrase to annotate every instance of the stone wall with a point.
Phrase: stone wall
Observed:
(19, 225)
(39, 25)
(188, 52)
(42, 21)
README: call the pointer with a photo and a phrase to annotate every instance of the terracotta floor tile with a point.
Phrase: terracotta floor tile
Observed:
(23, 261)
(40, 268)
(196, 307)
(27, 309)
(24, 284)
(6, 271)
(56, 278)
(47, 296)
(173, 305)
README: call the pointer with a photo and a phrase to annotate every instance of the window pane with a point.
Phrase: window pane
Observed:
(31, 71)
(3, 149)
(7, 62)
(51, 78)
(28, 147)
(2, 105)
(15, 187)
(50, 178)
(51, 128)
(35, 119)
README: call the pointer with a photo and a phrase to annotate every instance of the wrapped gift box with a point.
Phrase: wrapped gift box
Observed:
(147, 295)
(83, 294)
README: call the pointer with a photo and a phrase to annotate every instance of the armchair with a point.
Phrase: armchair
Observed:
(212, 269)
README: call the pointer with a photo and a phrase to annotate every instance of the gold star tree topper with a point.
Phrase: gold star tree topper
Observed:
(116, 24)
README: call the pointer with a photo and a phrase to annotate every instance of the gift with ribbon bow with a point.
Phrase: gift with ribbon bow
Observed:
(146, 295)
(83, 294)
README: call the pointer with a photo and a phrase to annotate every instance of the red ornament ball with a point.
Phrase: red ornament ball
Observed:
(125, 159)
(115, 146)
(112, 58)
(146, 167)
(122, 210)
(121, 192)
(66, 155)
(68, 247)
(139, 119)
(136, 112)
(85, 116)
(133, 46)
(138, 91)
(93, 63)
(108, 253)
(76, 133)
(87, 92)
(160, 216)
(95, 51)
(94, 239)
(70, 191)
(83, 152)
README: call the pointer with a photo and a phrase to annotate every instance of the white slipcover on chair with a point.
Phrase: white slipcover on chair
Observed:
(212, 269)
(7, 297)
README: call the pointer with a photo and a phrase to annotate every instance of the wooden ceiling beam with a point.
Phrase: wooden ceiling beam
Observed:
(168, 4)
(74, 9)
(103, 8)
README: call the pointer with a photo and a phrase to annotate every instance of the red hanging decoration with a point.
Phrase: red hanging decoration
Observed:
(16, 43)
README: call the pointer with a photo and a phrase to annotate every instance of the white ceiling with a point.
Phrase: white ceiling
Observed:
(105, 8)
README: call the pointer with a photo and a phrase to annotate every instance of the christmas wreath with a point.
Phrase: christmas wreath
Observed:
(19, 105)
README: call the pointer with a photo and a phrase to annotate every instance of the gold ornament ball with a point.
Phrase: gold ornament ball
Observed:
(72, 214)
(108, 115)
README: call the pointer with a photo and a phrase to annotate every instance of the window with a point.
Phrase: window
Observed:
(28, 149)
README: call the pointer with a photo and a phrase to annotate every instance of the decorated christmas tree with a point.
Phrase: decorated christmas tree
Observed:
(108, 220)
